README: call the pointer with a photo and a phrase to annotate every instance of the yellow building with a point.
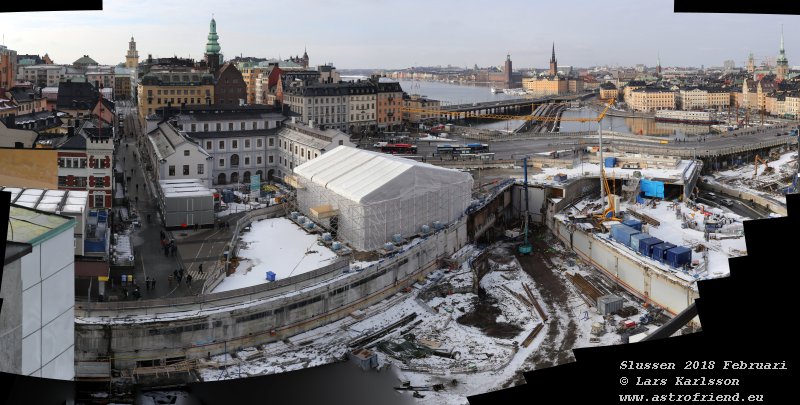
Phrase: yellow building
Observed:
(703, 98)
(575, 85)
(546, 87)
(608, 91)
(250, 75)
(630, 87)
(174, 87)
(651, 99)
(415, 103)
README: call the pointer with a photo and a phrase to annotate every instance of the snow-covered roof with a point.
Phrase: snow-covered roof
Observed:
(364, 176)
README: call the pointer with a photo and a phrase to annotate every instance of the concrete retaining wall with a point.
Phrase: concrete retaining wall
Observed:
(253, 315)
(768, 203)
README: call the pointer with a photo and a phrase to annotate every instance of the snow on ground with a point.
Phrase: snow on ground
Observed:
(741, 178)
(670, 231)
(277, 245)
(233, 208)
(593, 169)
(434, 138)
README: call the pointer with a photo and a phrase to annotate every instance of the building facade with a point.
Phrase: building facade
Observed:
(649, 99)
(608, 91)
(229, 86)
(8, 67)
(361, 99)
(419, 109)
(38, 319)
(389, 102)
(547, 86)
(85, 162)
(43, 75)
(176, 87)
(174, 156)
(241, 143)
(132, 57)
(300, 143)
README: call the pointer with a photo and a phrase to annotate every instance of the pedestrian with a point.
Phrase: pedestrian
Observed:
(227, 225)
(174, 249)
(197, 226)
(147, 283)
(180, 271)
(153, 283)
(179, 278)
(200, 268)
(137, 187)
(124, 292)
(189, 280)
(137, 200)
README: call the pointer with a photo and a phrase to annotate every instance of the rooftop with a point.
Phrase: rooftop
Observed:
(28, 225)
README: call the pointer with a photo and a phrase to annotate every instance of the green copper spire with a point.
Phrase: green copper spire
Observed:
(212, 47)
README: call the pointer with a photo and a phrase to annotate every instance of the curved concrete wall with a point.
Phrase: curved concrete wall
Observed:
(193, 327)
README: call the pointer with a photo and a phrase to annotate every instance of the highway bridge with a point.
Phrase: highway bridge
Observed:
(515, 106)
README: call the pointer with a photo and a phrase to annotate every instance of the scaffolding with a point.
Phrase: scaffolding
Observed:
(377, 196)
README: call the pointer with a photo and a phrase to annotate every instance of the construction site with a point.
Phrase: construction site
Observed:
(458, 286)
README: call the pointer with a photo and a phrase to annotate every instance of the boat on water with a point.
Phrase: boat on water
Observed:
(686, 117)
(496, 91)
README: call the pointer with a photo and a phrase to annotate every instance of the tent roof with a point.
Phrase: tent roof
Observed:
(360, 175)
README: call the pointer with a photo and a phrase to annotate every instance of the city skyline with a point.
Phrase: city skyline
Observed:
(355, 34)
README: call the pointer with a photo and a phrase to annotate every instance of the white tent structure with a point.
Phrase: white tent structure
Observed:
(374, 196)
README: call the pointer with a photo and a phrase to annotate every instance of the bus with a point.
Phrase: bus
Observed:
(478, 147)
(399, 149)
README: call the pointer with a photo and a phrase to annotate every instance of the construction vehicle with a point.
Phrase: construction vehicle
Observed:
(610, 211)
(767, 168)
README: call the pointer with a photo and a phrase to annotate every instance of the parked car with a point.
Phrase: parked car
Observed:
(727, 202)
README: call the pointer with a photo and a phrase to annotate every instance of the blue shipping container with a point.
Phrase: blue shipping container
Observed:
(678, 256)
(270, 276)
(622, 234)
(660, 250)
(635, 240)
(633, 223)
(611, 161)
(646, 246)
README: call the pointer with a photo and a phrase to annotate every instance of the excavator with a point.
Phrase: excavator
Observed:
(767, 168)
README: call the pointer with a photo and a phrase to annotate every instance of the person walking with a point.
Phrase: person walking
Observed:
(189, 280)
(147, 283)
(137, 187)
(200, 268)
(174, 249)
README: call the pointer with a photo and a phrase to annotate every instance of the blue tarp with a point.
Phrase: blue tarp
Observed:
(652, 188)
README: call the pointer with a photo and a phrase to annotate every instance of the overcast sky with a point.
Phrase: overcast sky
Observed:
(399, 34)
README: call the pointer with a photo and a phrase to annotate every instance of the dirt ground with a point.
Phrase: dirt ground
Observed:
(484, 317)
(560, 335)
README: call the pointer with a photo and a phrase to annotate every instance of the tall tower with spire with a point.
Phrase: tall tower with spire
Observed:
(132, 57)
(782, 68)
(658, 66)
(553, 63)
(507, 69)
(751, 64)
(305, 58)
(213, 57)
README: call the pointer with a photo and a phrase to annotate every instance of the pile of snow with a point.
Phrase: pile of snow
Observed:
(277, 245)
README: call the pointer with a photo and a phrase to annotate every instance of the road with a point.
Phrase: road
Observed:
(740, 207)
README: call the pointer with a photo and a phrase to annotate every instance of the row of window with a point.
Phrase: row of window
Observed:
(173, 92)
(231, 126)
(235, 144)
(76, 182)
(200, 169)
(235, 161)
(368, 279)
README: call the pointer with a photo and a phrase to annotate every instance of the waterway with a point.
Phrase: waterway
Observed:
(450, 93)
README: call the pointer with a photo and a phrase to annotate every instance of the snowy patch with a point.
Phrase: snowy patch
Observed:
(279, 246)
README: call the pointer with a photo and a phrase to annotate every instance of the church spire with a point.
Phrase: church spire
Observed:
(553, 57)
(782, 51)
(212, 46)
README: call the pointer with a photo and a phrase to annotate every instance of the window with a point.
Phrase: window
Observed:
(186, 152)
(259, 143)
(242, 126)
(185, 170)
(271, 141)
(208, 145)
(255, 125)
(200, 168)
(269, 159)
(235, 144)
(222, 144)
(341, 142)
(230, 126)
(98, 200)
(194, 127)
(222, 163)
(98, 182)
(219, 127)
(62, 181)
(247, 143)
(247, 160)
(205, 127)
(172, 170)
(258, 160)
